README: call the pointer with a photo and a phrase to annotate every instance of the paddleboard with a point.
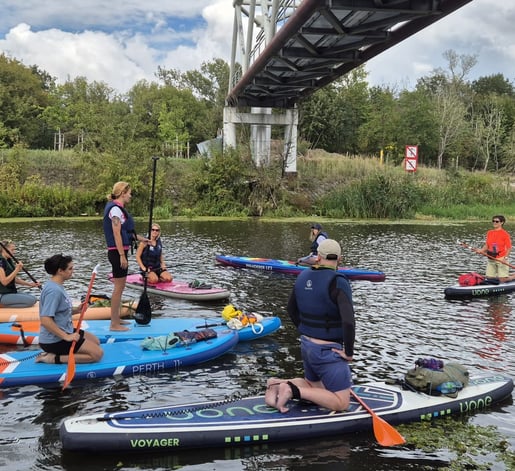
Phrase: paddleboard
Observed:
(10, 314)
(19, 368)
(27, 332)
(478, 291)
(290, 267)
(178, 289)
(250, 421)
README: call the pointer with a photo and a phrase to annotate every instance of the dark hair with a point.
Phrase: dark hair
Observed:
(57, 262)
(500, 217)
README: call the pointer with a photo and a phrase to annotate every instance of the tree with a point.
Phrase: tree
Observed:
(22, 100)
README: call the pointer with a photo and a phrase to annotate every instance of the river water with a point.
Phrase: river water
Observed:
(398, 321)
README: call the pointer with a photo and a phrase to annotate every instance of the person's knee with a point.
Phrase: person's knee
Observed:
(97, 354)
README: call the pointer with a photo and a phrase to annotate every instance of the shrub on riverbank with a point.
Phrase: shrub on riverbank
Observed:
(45, 183)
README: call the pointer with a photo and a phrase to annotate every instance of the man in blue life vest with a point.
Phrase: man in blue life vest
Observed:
(321, 308)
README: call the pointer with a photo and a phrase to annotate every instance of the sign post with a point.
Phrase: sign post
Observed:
(411, 158)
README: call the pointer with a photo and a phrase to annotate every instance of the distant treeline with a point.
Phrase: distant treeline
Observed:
(456, 123)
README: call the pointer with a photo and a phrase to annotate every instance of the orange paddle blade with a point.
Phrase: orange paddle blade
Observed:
(70, 372)
(385, 434)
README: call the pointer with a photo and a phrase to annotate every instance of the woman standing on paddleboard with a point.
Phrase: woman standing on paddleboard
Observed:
(119, 233)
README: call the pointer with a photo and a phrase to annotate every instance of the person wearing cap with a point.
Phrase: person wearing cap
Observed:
(321, 308)
(316, 236)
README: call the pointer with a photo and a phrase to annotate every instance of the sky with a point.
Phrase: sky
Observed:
(120, 42)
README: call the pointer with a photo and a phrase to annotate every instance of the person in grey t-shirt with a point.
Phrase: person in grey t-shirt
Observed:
(55, 312)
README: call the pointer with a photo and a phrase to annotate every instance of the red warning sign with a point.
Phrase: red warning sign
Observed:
(411, 158)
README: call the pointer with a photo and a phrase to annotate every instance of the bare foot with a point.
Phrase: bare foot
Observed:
(45, 358)
(272, 390)
(284, 395)
(119, 328)
(123, 322)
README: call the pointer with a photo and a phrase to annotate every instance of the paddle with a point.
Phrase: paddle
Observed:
(385, 434)
(70, 372)
(463, 244)
(16, 261)
(143, 313)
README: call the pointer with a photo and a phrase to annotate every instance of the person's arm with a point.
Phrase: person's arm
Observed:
(49, 324)
(5, 280)
(162, 262)
(346, 309)
(117, 233)
(293, 310)
(139, 253)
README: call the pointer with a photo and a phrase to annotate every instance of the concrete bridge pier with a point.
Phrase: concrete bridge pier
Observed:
(261, 121)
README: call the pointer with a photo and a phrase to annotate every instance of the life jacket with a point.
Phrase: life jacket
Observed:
(319, 316)
(8, 266)
(315, 244)
(151, 256)
(128, 232)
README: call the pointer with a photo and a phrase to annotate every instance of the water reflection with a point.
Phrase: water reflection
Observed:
(398, 321)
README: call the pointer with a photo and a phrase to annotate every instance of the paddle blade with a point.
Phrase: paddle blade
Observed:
(70, 372)
(385, 434)
(143, 313)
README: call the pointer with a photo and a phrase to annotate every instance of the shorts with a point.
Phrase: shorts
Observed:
(116, 269)
(322, 364)
(496, 269)
(63, 346)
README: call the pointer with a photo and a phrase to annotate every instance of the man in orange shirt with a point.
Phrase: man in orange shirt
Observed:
(497, 247)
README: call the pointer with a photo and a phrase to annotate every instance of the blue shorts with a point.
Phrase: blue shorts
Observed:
(322, 364)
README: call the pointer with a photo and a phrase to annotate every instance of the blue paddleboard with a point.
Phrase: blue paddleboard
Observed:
(290, 267)
(27, 333)
(19, 368)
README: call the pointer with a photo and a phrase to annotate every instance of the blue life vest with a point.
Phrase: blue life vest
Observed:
(151, 256)
(128, 232)
(318, 313)
(315, 244)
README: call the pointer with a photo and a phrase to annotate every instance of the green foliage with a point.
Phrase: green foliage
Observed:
(48, 183)
(467, 446)
(380, 195)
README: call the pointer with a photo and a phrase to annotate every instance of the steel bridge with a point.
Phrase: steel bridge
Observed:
(285, 50)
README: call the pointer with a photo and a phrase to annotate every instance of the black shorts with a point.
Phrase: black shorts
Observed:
(114, 260)
(63, 346)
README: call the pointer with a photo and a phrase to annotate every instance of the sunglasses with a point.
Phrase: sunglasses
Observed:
(155, 230)
(495, 220)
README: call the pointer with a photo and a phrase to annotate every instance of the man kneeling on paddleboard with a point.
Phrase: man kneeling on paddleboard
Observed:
(321, 308)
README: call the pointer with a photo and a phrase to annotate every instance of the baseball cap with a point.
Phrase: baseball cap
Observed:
(316, 226)
(329, 249)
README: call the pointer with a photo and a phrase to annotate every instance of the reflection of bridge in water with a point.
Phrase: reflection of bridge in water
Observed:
(291, 48)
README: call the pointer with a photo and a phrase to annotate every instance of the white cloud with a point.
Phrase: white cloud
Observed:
(482, 28)
(123, 41)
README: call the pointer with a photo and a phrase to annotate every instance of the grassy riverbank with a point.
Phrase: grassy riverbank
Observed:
(331, 186)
